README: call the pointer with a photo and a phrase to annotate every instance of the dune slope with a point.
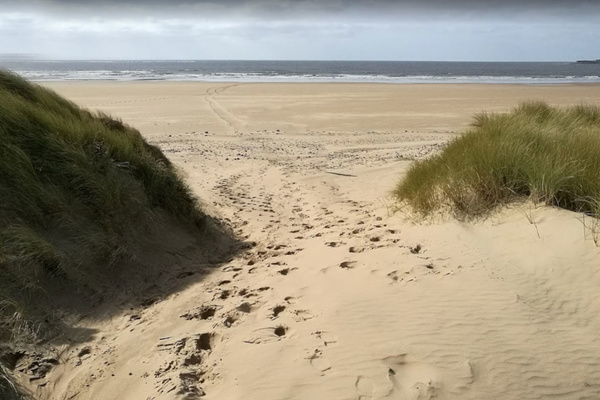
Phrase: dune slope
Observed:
(82, 197)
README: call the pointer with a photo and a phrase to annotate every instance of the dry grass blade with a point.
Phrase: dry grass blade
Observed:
(543, 153)
(73, 187)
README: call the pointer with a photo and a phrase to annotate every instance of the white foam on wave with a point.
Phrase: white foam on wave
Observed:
(136, 75)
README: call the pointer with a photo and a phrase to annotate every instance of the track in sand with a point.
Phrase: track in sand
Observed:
(337, 297)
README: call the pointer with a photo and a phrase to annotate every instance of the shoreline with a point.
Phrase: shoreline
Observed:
(226, 82)
(315, 81)
(286, 71)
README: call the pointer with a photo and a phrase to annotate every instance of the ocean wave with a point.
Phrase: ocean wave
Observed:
(274, 76)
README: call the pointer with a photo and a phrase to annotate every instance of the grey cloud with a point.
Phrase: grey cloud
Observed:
(316, 6)
(329, 29)
(351, 11)
(490, 4)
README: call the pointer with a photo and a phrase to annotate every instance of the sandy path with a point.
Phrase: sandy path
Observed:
(340, 298)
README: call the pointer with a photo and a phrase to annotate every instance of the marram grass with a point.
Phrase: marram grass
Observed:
(74, 188)
(546, 154)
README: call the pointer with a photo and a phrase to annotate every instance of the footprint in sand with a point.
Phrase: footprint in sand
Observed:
(280, 330)
(355, 249)
(277, 310)
(230, 320)
(364, 387)
(318, 362)
(269, 335)
(302, 315)
(394, 276)
(348, 264)
(202, 313)
(207, 341)
(416, 249)
(411, 379)
(224, 295)
(246, 308)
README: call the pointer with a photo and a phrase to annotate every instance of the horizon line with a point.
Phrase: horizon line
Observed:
(29, 57)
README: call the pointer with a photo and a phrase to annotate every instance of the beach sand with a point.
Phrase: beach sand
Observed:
(341, 295)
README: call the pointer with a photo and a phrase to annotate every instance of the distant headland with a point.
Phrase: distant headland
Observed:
(18, 57)
(588, 61)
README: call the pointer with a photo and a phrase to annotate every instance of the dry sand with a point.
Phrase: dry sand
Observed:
(341, 298)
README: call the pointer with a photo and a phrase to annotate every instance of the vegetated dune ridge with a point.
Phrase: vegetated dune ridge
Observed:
(546, 154)
(84, 202)
(340, 297)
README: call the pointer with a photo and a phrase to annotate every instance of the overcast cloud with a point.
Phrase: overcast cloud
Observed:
(306, 29)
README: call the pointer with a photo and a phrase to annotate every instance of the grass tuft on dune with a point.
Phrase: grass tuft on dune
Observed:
(74, 188)
(546, 154)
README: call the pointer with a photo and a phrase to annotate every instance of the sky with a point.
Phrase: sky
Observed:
(404, 30)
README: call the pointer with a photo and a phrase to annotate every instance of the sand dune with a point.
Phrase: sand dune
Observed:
(339, 295)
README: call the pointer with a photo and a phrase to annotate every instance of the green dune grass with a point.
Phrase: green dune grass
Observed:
(546, 154)
(75, 187)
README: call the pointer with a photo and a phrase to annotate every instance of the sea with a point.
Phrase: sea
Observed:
(545, 73)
